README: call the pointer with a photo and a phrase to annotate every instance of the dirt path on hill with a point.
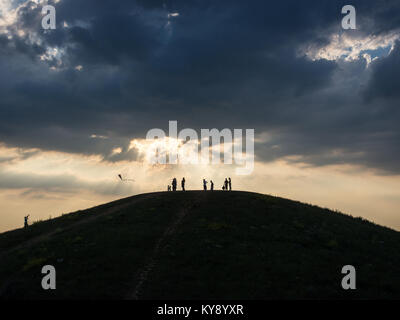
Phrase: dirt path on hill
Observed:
(143, 274)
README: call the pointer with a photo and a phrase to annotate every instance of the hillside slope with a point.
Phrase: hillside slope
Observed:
(209, 245)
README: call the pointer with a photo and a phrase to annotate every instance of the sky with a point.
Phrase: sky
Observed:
(77, 102)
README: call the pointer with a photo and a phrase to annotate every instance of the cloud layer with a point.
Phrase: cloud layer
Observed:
(111, 71)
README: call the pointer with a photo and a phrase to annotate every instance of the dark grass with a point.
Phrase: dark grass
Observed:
(230, 245)
(94, 260)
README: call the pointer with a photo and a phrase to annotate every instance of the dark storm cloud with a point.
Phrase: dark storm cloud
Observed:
(385, 82)
(218, 64)
(355, 129)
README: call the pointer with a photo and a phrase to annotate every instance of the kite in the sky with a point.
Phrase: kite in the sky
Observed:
(122, 179)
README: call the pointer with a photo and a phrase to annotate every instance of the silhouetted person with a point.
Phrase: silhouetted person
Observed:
(226, 184)
(230, 184)
(26, 221)
(183, 184)
(169, 188)
(211, 185)
(223, 187)
(204, 184)
(174, 184)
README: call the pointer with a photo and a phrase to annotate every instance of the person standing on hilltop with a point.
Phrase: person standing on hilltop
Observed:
(204, 184)
(211, 185)
(230, 184)
(226, 184)
(26, 221)
(174, 184)
(183, 184)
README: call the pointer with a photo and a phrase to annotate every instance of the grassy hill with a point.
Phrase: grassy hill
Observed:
(208, 245)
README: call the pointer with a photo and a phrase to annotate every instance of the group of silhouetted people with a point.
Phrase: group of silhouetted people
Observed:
(174, 184)
(226, 186)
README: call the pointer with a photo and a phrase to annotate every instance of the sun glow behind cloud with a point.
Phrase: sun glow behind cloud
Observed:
(350, 47)
(191, 151)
